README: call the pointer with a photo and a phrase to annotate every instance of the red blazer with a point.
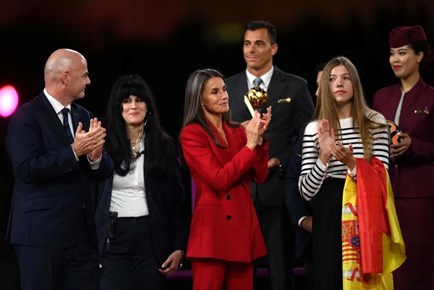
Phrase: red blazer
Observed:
(224, 224)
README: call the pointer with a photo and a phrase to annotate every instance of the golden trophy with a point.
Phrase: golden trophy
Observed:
(255, 99)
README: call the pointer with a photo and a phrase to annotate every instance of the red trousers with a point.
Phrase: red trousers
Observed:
(212, 274)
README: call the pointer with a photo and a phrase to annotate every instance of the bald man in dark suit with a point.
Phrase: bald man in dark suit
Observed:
(55, 158)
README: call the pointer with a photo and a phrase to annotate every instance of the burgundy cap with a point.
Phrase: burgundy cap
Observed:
(403, 35)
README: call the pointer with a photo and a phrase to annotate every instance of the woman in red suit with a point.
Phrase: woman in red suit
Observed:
(223, 158)
(410, 104)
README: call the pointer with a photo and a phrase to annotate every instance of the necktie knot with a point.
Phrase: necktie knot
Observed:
(257, 82)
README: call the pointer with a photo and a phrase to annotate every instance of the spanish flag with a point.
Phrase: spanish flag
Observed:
(372, 243)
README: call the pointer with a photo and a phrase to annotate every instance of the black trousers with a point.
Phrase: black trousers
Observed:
(75, 268)
(129, 262)
(279, 238)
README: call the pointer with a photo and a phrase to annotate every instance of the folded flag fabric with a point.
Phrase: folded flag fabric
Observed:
(372, 243)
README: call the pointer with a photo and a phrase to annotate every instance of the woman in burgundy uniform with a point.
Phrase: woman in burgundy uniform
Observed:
(410, 105)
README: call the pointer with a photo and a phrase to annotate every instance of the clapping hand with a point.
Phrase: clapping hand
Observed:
(252, 131)
(90, 143)
(343, 154)
(256, 127)
(326, 137)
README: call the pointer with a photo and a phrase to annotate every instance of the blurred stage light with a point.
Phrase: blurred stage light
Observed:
(8, 100)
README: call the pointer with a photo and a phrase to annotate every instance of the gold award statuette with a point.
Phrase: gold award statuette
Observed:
(255, 98)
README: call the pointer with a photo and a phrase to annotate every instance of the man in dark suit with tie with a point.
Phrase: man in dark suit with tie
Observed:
(299, 209)
(51, 223)
(292, 107)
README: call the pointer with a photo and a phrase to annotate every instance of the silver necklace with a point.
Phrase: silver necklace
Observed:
(135, 152)
(134, 143)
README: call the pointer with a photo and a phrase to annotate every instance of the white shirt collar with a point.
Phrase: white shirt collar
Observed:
(266, 78)
(57, 106)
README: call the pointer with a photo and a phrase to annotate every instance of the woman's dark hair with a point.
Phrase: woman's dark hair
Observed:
(425, 47)
(193, 112)
(117, 143)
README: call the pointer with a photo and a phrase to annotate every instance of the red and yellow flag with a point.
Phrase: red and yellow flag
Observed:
(372, 243)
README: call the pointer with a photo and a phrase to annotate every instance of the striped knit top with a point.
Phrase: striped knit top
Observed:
(314, 172)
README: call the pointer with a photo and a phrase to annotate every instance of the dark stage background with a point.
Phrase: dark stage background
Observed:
(165, 40)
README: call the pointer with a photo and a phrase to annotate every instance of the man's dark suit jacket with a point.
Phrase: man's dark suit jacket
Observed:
(287, 119)
(167, 212)
(52, 190)
(296, 205)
